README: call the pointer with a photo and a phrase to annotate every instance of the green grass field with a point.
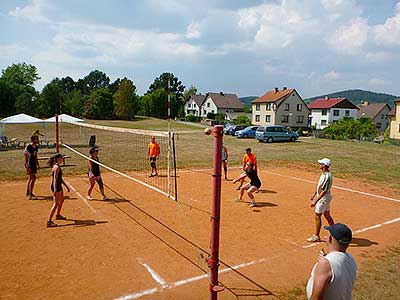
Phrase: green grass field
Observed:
(364, 161)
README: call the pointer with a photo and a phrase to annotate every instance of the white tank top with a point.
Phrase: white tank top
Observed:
(344, 271)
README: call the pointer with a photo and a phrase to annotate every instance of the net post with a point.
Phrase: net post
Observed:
(174, 160)
(169, 137)
(216, 207)
(57, 136)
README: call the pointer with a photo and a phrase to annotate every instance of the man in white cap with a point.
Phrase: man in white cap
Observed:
(333, 276)
(323, 199)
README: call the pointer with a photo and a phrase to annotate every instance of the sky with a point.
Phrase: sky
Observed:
(242, 47)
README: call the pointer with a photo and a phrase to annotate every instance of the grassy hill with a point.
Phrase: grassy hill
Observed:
(357, 96)
(247, 100)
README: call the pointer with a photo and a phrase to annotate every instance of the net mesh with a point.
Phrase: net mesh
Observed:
(125, 151)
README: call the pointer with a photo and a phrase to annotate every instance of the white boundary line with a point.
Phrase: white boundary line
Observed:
(157, 277)
(337, 187)
(80, 196)
(120, 173)
(361, 230)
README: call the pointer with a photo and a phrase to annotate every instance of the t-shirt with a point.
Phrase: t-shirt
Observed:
(250, 158)
(154, 149)
(344, 271)
(32, 151)
(325, 183)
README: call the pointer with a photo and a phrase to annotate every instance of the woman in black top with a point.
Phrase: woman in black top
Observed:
(31, 165)
(253, 186)
(56, 188)
(94, 173)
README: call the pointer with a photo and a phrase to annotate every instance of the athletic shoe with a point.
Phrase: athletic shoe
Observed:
(105, 198)
(51, 224)
(238, 188)
(151, 175)
(32, 197)
(313, 239)
(238, 200)
(89, 198)
(60, 217)
(253, 204)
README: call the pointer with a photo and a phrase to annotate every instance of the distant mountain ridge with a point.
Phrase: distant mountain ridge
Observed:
(358, 96)
(247, 100)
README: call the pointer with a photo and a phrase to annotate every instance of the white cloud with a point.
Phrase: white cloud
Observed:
(34, 12)
(379, 82)
(389, 32)
(332, 75)
(193, 31)
(350, 39)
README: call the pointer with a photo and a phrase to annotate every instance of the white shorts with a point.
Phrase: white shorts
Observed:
(323, 204)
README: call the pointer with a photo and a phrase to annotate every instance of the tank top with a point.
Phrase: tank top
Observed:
(58, 181)
(254, 180)
(344, 271)
(95, 167)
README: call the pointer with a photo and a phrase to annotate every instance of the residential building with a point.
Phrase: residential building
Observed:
(193, 105)
(280, 107)
(394, 116)
(377, 112)
(327, 110)
(221, 103)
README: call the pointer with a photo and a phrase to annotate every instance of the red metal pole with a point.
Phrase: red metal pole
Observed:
(216, 208)
(57, 136)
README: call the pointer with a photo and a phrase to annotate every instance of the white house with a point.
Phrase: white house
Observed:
(193, 105)
(394, 116)
(227, 104)
(328, 110)
(280, 107)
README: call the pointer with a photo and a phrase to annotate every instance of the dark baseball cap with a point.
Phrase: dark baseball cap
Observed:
(340, 232)
(248, 149)
(93, 149)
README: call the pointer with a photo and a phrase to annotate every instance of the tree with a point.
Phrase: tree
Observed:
(94, 80)
(74, 103)
(125, 100)
(7, 98)
(100, 104)
(114, 86)
(155, 104)
(67, 84)
(25, 102)
(243, 120)
(176, 89)
(51, 99)
(22, 74)
(189, 92)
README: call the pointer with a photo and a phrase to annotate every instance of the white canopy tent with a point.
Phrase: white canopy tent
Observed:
(63, 118)
(19, 119)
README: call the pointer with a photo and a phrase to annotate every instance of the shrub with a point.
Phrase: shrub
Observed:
(192, 118)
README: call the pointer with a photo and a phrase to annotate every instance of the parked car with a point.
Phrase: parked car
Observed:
(275, 133)
(227, 127)
(248, 132)
(235, 128)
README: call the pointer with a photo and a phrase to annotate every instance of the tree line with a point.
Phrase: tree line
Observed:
(93, 96)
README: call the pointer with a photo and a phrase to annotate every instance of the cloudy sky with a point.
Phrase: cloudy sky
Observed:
(243, 47)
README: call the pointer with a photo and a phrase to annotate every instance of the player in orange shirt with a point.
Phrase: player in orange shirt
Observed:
(153, 151)
(248, 157)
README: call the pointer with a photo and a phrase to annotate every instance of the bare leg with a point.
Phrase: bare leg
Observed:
(92, 182)
(242, 189)
(250, 192)
(28, 186)
(60, 202)
(54, 207)
(328, 217)
(33, 179)
(318, 224)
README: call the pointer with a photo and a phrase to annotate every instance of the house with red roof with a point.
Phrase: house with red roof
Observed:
(325, 111)
(377, 112)
(394, 116)
(280, 107)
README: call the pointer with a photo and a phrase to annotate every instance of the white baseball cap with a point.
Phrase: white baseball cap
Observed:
(325, 161)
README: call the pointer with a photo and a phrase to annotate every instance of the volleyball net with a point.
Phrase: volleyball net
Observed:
(125, 151)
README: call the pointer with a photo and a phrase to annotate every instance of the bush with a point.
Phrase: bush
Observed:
(243, 120)
(192, 118)
(348, 128)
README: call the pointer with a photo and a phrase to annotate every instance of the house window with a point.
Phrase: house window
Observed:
(258, 106)
(324, 112)
(285, 119)
(268, 106)
(323, 122)
(268, 118)
(212, 111)
(299, 107)
(336, 112)
(194, 104)
(300, 119)
(208, 104)
(382, 116)
(205, 112)
(257, 118)
(189, 105)
(287, 106)
(347, 113)
(378, 125)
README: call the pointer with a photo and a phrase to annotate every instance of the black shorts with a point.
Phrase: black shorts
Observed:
(58, 188)
(153, 160)
(31, 170)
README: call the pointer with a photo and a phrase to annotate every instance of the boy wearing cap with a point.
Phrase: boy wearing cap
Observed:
(323, 199)
(153, 151)
(333, 276)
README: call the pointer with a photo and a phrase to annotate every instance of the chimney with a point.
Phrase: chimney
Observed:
(326, 98)
(221, 93)
(284, 88)
(364, 103)
(276, 90)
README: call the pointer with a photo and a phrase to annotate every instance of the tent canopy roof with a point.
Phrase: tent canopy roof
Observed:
(63, 118)
(20, 119)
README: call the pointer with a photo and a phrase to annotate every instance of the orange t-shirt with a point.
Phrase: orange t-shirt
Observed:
(153, 149)
(250, 158)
